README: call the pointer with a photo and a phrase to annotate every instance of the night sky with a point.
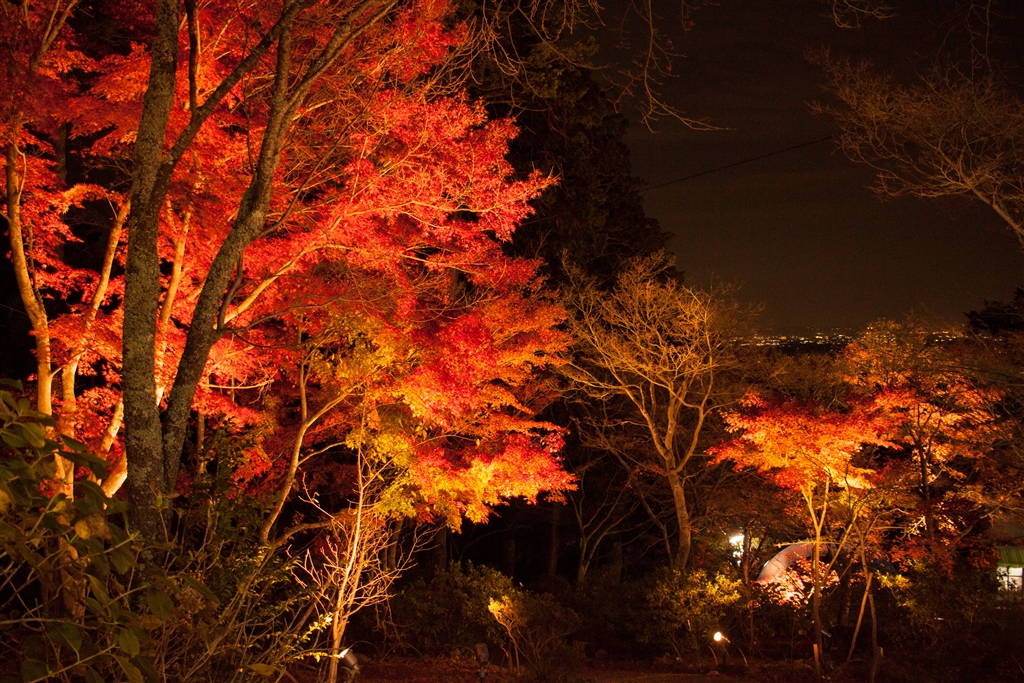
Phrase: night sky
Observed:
(800, 232)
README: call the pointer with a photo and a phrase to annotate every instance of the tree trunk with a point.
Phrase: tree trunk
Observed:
(616, 564)
(143, 443)
(154, 448)
(876, 652)
(816, 602)
(30, 296)
(553, 540)
(440, 552)
(845, 600)
(207, 322)
(817, 581)
(581, 569)
(745, 566)
(391, 554)
(860, 617)
(682, 554)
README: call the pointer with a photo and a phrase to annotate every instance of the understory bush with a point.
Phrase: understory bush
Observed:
(615, 615)
(66, 567)
(950, 624)
(781, 625)
(449, 611)
(687, 608)
(537, 629)
(460, 606)
(82, 597)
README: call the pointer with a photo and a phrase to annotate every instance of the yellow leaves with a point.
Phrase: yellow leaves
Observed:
(503, 609)
(265, 670)
(93, 526)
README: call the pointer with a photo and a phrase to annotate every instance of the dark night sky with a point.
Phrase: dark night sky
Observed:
(800, 232)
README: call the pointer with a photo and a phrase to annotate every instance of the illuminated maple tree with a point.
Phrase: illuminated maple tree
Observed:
(814, 450)
(314, 231)
(944, 418)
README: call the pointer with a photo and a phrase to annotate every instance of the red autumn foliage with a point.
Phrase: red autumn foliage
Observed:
(379, 283)
(801, 444)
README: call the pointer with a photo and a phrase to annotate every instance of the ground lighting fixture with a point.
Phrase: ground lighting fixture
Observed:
(348, 660)
(482, 658)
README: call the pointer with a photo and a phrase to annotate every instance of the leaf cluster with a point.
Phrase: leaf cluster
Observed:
(69, 601)
(81, 597)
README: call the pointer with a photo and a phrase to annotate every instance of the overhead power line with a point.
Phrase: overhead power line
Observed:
(737, 163)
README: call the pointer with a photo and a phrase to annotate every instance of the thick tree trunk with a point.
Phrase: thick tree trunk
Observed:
(203, 331)
(682, 554)
(211, 307)
(143, 443)
(208, 315)
(154, 448)
(581, 569)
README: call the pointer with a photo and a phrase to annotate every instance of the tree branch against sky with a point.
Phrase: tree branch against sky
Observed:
(850, 13)
(955, 128)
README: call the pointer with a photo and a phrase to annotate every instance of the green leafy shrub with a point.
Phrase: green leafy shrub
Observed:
(450, 611)
(66, 592)
(687, 608)
(537, 627)
(615, 614)
(77, 604)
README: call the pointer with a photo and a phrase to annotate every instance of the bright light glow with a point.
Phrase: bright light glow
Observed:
(736, 540)
(718, 636)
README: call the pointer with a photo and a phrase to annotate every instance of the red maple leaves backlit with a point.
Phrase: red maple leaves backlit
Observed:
(801, 444)
(378, 287)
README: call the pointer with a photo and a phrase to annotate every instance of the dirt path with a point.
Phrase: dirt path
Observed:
(602, 676)
(449, 671)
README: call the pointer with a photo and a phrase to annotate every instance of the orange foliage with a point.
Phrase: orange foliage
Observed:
(380, 273)
(801, 444)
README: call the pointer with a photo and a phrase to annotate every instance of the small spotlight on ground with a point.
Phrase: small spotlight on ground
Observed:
(482, 658)
(349, 663)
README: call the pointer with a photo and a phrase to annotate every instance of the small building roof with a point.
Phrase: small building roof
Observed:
(1010, 556)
